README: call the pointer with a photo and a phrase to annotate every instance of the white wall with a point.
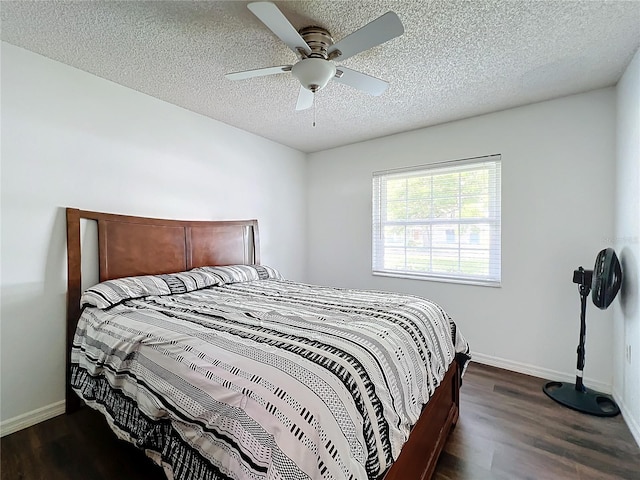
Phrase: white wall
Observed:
(558, 161)
(72, 139)
(627, 235)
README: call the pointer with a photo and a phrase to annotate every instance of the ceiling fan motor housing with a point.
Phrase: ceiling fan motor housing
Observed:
(318, 39)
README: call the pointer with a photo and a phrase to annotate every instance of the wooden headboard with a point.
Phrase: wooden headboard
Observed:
(130, 246)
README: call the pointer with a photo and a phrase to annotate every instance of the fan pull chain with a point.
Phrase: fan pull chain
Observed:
(314, 109)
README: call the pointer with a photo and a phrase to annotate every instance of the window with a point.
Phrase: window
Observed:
(439, 222)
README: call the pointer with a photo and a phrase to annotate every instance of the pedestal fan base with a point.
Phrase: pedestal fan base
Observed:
(589, 401)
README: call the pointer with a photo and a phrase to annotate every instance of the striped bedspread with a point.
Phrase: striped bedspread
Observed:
(263, 378)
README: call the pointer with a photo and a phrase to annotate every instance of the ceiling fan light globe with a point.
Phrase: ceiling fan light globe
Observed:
(314, 73)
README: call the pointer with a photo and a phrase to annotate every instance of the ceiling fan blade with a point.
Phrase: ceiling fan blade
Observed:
(371, 85)
(381, 30)
(275, 20)
(305, 99)
(260, 72)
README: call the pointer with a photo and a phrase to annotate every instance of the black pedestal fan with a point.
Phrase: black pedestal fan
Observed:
(605, 280)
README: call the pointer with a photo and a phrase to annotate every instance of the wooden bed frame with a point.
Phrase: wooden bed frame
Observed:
(129, 246)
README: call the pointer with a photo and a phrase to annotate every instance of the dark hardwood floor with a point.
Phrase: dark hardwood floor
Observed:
(508, 429)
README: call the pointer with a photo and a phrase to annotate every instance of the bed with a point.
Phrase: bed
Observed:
(217, 367)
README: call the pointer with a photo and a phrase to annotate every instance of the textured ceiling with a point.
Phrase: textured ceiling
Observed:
(456, 58)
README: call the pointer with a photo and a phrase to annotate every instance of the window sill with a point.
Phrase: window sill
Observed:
(441, 279)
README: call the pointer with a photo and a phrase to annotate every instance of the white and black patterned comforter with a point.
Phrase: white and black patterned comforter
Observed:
(263, 379)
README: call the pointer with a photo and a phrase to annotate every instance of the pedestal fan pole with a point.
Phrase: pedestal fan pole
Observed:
(584, 294)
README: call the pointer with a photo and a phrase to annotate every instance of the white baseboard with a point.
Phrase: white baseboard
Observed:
(540, 372)
(28, 419)
(631, 422)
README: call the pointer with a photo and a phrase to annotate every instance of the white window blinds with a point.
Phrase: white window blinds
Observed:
(439, 221)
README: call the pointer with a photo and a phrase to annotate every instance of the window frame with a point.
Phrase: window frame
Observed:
(493, 163)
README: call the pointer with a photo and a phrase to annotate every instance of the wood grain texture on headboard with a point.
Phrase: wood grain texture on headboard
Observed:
(130, 246)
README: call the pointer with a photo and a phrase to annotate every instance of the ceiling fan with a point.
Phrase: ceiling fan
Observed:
(316, 53)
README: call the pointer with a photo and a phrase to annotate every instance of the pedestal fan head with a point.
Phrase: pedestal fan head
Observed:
(607, 278)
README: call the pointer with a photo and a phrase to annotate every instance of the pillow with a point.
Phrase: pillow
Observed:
(112, 292)
(241, 273)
